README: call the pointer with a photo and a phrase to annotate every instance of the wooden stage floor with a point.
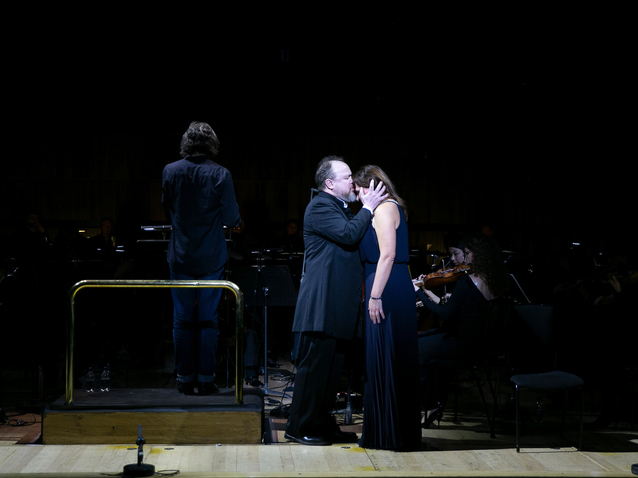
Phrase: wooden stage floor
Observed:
(456, 449)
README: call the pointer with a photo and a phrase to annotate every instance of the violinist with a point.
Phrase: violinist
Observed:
(444, 278)
(462, 316)
(455, 245)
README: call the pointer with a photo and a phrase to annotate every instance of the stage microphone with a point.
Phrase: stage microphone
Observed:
(139, 469)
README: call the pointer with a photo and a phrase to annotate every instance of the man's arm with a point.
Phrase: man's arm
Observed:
(166, 198)
(230, 209)
(327, 220)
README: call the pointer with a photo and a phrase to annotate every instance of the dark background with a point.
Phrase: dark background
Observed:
(517, 117)
(513, 117)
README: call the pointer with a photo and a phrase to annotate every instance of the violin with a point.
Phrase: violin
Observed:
(443, 277)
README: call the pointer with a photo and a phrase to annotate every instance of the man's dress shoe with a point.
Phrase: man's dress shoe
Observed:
(308, 440)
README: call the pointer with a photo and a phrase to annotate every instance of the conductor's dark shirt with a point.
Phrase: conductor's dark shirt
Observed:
(199, 198)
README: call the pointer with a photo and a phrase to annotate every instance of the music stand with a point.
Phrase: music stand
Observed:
(271, 286)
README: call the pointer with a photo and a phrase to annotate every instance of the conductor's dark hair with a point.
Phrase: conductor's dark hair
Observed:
(199, 139)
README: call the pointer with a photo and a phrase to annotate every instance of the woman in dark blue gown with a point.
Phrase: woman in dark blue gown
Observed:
(391, 412)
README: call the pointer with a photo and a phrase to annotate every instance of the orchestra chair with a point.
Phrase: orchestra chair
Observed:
(534, 360)
(494, 348)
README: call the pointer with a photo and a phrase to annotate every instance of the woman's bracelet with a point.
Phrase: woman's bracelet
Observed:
(375, 298)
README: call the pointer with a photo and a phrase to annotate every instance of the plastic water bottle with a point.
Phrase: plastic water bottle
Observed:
(105, 380)
(90, 380)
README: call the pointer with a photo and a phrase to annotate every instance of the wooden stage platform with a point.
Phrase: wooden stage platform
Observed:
(459, 448)
(165, 415)
(456, 449)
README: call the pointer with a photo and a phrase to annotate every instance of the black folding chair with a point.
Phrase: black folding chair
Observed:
(535, 364)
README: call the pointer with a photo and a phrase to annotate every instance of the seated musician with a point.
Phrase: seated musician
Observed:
(462, 318)
(455, 246)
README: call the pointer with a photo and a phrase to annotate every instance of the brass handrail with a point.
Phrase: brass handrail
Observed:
(239, 305)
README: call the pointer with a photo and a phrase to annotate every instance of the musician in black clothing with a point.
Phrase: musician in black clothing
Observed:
(462, 317)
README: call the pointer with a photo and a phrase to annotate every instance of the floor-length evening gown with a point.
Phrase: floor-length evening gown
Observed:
(391, 411)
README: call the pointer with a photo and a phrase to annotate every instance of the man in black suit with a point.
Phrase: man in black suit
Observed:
(328, 300)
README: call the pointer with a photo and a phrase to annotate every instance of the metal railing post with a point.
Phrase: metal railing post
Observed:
(239, 314)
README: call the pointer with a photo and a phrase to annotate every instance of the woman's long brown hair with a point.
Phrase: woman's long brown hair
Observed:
(370, 172)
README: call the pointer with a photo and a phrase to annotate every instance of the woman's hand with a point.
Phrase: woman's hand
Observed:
(420, 279)
(416, 287)
(375, 309)
(432, 296)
